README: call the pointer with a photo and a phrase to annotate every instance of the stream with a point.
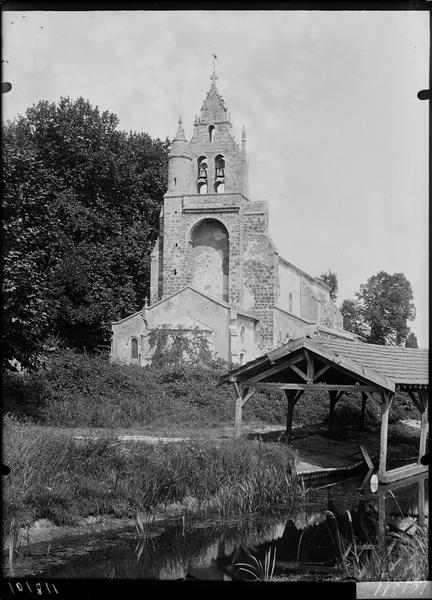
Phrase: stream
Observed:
(216, 548)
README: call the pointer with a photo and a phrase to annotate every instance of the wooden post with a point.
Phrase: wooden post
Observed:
(238, 412)
(381, 520)
(385, 409)
(424, 397)
(363, 413)
(291, 402)
(421, 502)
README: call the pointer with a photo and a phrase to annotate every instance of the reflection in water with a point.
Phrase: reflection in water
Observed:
(304, 542)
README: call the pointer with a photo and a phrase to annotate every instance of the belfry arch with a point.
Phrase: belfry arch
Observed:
(210, 258)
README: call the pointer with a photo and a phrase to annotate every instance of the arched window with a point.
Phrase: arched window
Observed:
(290, 302)
(242, 358)
(202, 183)
(134, 349)
(211, 131)
(242, 335)
(219, 187)
(210, 258)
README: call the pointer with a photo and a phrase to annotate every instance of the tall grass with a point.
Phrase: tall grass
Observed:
(57, 478)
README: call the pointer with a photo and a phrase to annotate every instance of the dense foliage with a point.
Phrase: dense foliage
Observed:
(330, 279)
(80, 217)
(381, 310)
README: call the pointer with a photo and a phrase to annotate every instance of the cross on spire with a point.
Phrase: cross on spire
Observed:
(213, 76)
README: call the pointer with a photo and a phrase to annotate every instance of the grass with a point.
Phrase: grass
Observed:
(62, 480)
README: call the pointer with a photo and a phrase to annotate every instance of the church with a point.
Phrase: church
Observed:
(214, 267)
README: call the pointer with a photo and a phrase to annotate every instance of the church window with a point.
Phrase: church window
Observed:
(211, 130)
(210, 258)
(134, 349)
(290, 306)
(242, 359)
(242, 334)
(175, 180)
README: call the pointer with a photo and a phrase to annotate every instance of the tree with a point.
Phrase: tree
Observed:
(381, 310)
(352, 317)
(330, 279)
(82, 202)
(411, 341)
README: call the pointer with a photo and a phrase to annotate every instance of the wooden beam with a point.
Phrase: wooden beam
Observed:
(424, 396)
(276, 369)
(385, 408)
(299, 394)
(291, 402)
(421, 502)
(366, 457)
(312, 386)
(247, 396)
(402, 472)
(321, 372)
(238, 411)
(299, 372)
(363, 413)
(339, 395)
(310, 366)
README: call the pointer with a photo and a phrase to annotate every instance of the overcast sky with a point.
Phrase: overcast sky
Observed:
(337, 139)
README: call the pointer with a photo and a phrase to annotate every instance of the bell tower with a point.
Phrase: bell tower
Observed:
(201, 222)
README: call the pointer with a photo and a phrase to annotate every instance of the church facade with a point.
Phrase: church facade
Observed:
(214, 267)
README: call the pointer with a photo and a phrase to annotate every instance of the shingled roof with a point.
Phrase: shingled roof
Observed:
(390, 367)
(403, 365)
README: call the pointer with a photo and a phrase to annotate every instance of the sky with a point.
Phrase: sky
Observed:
(337, 138)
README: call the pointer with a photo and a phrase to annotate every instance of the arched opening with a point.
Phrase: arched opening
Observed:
(202, 179)
(242, 335)
(242, 358)
(290, 302)
(219, 184)
(134, 349)
(211, 131)
(210, 258)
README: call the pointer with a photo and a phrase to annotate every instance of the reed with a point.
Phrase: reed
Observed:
(259, 570)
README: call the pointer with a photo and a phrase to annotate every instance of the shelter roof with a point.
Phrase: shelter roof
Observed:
(387, 367)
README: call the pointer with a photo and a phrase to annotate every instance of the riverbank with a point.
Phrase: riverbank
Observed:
(56, 477)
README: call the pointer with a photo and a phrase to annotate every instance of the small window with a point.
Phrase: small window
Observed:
(242, 358)
(134, 349)
(290, 302)
(242, 335)
(211, 130)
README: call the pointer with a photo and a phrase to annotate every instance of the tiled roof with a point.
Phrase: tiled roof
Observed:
(403, 365)
(386, 366)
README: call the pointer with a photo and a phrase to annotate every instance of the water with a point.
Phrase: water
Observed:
(303, 543)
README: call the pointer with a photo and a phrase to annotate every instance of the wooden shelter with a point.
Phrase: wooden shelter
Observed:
(337, 366)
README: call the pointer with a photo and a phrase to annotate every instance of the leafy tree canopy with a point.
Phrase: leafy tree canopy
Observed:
(411, 341)
(330, 279)
(381, 310)
(81, 215)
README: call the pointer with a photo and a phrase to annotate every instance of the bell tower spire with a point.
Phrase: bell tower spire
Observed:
(214, 76)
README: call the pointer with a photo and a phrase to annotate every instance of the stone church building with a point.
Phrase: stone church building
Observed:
(214, 267)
